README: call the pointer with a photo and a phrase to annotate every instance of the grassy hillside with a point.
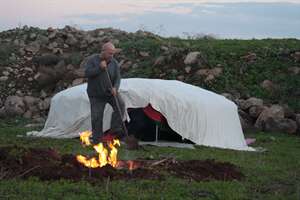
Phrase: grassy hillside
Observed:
(273, 59)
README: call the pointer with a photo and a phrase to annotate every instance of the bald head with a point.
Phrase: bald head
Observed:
(108, 51)
(108, 46)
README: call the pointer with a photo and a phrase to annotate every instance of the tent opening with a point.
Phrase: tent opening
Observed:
(147, 124)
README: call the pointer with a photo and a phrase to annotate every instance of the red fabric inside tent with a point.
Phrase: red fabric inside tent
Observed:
(154, 114)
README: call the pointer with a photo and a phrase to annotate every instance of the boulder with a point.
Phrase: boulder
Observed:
(14, 106)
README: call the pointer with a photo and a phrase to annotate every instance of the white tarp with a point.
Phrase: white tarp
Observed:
(199, 115)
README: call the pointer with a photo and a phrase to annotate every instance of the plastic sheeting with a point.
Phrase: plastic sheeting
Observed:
(199, 115)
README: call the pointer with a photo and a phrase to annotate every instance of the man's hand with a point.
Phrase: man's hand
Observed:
(103, 64)
(114, 91)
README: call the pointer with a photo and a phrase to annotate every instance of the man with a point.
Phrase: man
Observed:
(100, 91)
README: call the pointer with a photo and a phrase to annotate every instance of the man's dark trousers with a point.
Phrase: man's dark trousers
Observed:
(97, 111)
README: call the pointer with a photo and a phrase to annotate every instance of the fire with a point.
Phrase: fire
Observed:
(85, 138)
(105, 155)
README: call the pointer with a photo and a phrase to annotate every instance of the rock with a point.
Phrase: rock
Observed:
(246, 120)
(43, 40)
(44, 79)
(34, 110)
(296, 56)
(194, 59)
(39, 120)
(288, 112)
(14, 106)
(268, 85)
(13, 57)
(116, 42)
(84, 61)
(34, 125)
(50, 29)
(281, 125)
(66, 46)
(203, 72)
(33, 47)
(126, 65)
(228, 96)
(16, 42)
(32, 36)
(3, 78)
(297, 118)
(100, 33)
(79, 73)
(52, 45)
(180, 77)
(135, 65)
(19, 93)
(60, 67)
(162, 75)
(78, 81)
(58, 51)
(294, 70)
(28, 69)
(255, 111)
(161, 60)
(43, 94)
(2, 112)
(30, 101)
(52, 34)
(252, 101)
(144, 54)
(71, 40)
(250, 57)
(11, 85)
(9, 69)
(70, 67)
(89, 39)
(164, 48)
(217, 71)
(275, 112)
(27, 114)
(209, 78)
(239, 102)
(83, 45)
(22, 52)
(47, 60)
(60, 85)
(174, 71)
(44, 105)
(187, 69)
(50, 74)
(5, 73)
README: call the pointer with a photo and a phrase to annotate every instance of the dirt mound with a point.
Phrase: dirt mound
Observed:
(49, 164)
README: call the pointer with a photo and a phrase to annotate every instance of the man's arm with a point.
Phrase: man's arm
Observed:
(90, 69)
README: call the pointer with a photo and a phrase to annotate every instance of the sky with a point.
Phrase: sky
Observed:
(221, 18)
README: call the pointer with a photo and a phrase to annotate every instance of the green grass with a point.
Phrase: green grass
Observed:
(274, 174)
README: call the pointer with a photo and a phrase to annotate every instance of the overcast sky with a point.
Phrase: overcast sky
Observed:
(224, 18)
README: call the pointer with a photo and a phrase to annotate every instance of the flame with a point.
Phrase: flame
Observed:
(85, 138)
(132, 165)
(105, 156)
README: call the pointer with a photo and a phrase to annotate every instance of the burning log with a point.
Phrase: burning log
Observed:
(162, 161)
